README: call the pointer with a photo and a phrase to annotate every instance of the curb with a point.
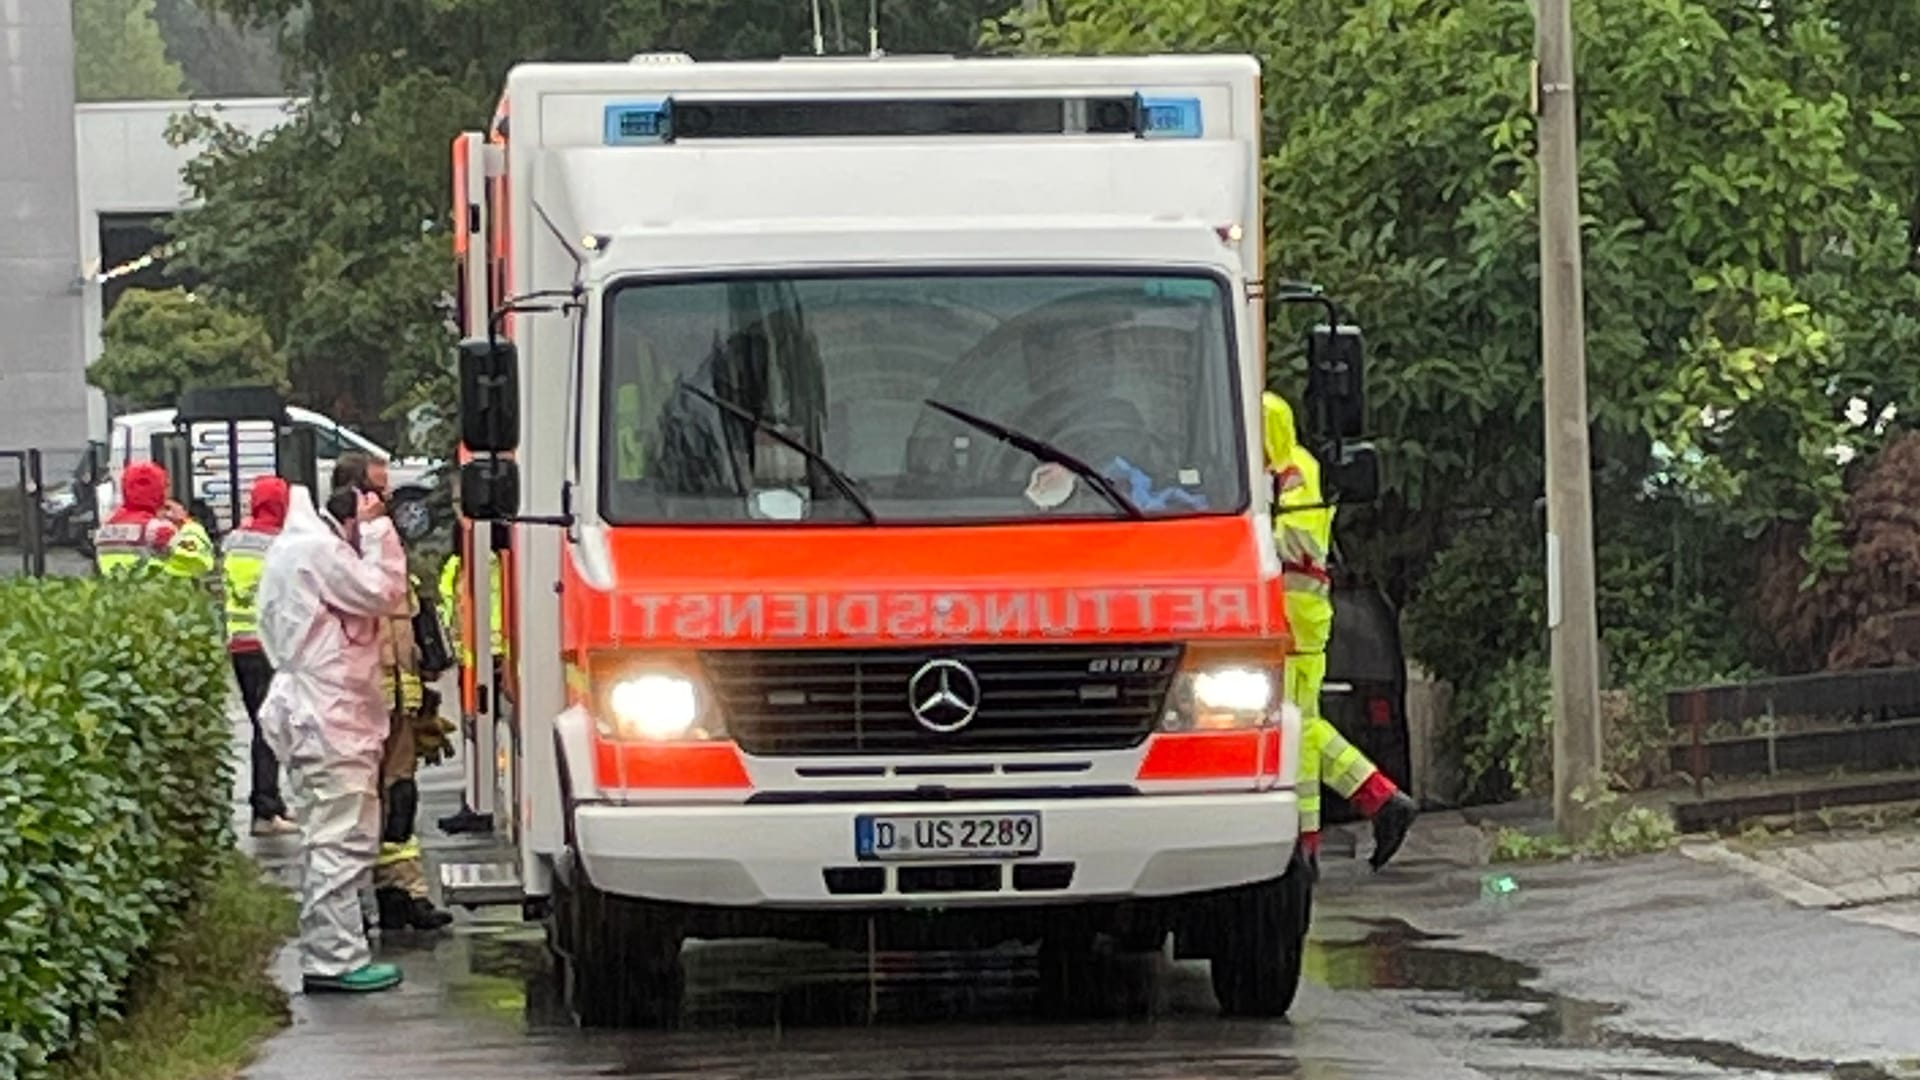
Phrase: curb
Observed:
(1800, 891)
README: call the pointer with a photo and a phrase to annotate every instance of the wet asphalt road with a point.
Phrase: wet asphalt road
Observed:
(1655, 968)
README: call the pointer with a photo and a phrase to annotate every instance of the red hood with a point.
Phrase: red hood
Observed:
(777, 587)
(143, 487)
(268, 502)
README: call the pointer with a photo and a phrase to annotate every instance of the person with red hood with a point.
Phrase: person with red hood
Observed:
(137, 531)
(150, 526)
(244, 556)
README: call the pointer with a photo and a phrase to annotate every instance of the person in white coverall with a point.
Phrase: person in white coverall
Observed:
(325, 586)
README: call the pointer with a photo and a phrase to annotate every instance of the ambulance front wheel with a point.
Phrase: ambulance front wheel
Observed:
(618, 958)
(1256, 963)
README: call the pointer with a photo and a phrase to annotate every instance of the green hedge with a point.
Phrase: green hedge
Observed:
(114, 793)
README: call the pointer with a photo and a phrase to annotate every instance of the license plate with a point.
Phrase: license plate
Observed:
(899, 837)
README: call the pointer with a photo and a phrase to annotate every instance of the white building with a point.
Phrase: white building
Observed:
(129, 183)
(42, 396)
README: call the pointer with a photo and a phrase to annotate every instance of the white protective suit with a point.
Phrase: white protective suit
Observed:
(320, 602)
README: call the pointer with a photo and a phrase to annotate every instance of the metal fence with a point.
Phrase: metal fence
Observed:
(1796, 744)
(46, 514)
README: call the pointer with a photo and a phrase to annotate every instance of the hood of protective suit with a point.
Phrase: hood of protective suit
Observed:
(143, 487)
(1281, 437)
(268, 499)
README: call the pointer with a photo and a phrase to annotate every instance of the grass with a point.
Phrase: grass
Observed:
(203, 1007)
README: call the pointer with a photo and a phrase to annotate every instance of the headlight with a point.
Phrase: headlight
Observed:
(1222, 697)
(1233, 689)
(653, 707)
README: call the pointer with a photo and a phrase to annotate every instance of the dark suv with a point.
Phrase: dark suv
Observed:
(1365, 693)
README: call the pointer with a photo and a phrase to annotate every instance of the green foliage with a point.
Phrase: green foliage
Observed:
(159, 342)
(119, 54)
(1750, 237)
(114, 782)
(1504, 724)
(202, 1006)
(1620, 829)
(218, 58)
(1511, 845)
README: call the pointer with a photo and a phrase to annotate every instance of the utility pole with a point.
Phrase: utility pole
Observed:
(1572, 621)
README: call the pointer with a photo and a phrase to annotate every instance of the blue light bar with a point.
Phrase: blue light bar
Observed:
(639, 123)
(1170, 118)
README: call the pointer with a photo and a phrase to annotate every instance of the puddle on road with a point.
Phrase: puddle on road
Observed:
(1396, 956)
(763, 987)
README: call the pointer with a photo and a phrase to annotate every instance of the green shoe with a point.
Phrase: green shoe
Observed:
(368, 980)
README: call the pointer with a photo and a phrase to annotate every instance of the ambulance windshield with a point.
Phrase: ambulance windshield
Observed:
(1131, 374)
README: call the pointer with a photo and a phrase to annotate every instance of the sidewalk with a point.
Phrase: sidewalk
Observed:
(1868, 878)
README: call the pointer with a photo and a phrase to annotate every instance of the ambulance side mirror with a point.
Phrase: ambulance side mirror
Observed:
(1354, 477)
(489, 396)
(490, 489)
(1336, 396)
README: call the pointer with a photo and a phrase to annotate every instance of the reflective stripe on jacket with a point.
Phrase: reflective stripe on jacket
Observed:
(400, 656)
(1304, 537)
(120, 546)
(243, 557)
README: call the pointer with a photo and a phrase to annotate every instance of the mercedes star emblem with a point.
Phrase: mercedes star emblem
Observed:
(944, 696)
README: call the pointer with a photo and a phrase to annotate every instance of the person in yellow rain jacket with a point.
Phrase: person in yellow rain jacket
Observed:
(450, 600)
(400, 885)
(468, 820)
(243, 558)
(1303, 533)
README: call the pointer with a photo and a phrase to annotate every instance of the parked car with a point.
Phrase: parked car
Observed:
(1365, 692)
(68, 510)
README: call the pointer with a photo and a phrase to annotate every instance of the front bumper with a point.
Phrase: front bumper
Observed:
(784, 855)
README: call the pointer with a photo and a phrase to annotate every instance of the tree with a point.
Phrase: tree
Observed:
(160, 342)
(1747, 244)
(218, 58)
(1866, 614)
(119, 54)
(1751, 220)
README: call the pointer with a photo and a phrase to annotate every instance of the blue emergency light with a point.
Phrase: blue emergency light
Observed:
(639, 123)
(1170, 118)
(650, 123)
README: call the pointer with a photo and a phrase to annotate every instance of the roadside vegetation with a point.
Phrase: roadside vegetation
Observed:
(115, 773)
(1621, 829)
(205, 1000)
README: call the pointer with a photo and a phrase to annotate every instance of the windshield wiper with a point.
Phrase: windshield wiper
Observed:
(1045, 451)
(838, 478)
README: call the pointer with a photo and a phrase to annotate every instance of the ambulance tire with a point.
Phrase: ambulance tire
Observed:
(621, 967)
(1256, 967)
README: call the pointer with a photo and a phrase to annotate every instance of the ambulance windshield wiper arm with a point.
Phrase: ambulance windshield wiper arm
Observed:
(839, 479)
(1045, 451)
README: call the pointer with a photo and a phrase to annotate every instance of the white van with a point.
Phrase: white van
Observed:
(131, 439)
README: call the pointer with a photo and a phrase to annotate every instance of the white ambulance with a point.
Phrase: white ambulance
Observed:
(872, 451)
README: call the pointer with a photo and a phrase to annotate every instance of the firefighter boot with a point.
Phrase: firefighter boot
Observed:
(1390, 828)
(422, 915)
(396, 908)
(466, 823)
